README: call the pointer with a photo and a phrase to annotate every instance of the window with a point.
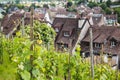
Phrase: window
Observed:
(66, 33)
(97, 45)
(113, 43)
(65, 45)
(56, 29)
(62, 47)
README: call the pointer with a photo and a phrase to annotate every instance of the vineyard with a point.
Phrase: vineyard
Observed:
(23, 59)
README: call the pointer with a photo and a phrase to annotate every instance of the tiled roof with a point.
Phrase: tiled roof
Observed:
(70, 25)
(104, 35)
(13, 20)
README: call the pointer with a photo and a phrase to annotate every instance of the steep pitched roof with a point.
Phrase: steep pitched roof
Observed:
(102, 33)
(116, 34)
(69, 25)
(59, 21)
(10, 21)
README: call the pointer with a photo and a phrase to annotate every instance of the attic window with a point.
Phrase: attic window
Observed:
(65, 45)
(66, 33)
(97, 45)
(113, 43)
(62, 46)
(56, 29)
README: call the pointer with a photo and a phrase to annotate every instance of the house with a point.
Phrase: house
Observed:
(12, 9)
(111, 20)
(61, 12)
(105, 39)
(44, 15)
(12, 22)
(69, 32)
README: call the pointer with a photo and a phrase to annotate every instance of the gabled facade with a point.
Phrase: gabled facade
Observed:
(106, 36)
(69, 33)
(106, 39)
(98, 19)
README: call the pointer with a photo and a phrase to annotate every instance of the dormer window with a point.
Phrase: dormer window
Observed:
(56, 29)
(66, 33)
(113, 43)
(97, 45)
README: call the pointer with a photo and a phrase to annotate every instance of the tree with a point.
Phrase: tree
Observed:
(20, 6)
(80, 1)
(71, 10)
(52, 4)
(69, 4)
(39, 0)
(92, 4)
(101, 1)
(108, 3)
(103, 6)
(17, 1)
(46, 6)
(108, 11)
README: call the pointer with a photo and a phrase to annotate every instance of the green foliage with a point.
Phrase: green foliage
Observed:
(101, 1)
(20, 63)
(25, 75)
(79, 2)
(69, 4)
(92, 4)
(117, 11)
(42, 32)
(52, 4)
(20, 6)
(108, 11)
(70, 9)
(108, 3)
(17, 1)
(39, 0)
(46, 6)
(103, 6)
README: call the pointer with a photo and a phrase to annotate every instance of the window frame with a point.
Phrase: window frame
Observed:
(66, 33)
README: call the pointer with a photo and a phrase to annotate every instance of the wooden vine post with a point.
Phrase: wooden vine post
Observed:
(91, 53)
(118, 66)
(31, 38)
(31, 24)
(69, 61)
(1, 52)
(23, 22)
